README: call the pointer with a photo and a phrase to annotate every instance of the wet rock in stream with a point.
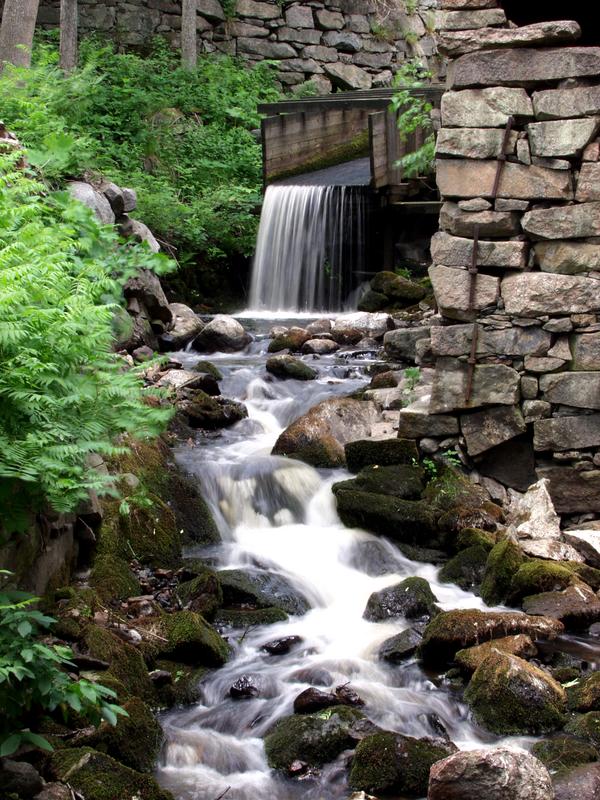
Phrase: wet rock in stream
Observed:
(412, 598)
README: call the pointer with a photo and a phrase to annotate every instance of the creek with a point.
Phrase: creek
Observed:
(280, 515)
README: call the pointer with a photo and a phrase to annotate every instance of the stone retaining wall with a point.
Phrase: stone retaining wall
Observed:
(350, 44)
(534, 410)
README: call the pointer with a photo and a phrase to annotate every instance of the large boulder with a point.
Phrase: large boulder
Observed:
(145, 288)
(288, 367)
(318, 437)
(577, 606)
(185, 325)
(389, 763)
(93, 199)
(580, 783)
(315, 739)
(261, 589)
(97, 776)
(510, 696)
(222, 334)
(500, 774)
(186, 636)
(472, 658)
(456, 43)
(412, 598)
(451, 631)
(351, 328)
(210, 413)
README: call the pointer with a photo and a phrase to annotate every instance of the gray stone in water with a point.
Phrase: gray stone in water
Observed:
(456, 251)
(561, 137)
(400, 647)
(536, 293)
(581, 101)
(457, 43)
(486, 429)
(490, 223)
(588, 184)
(485, 108)
(455, 340)
(464, 178)
(493, 384)
(575, 389)
(480, 143)
(452, 288)
(567, 433)
(523, 67)
(564, 222)
(401, 343)
(586, 352)
(568, 258)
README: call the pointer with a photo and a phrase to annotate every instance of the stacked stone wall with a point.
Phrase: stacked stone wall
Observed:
(525, 395)
(347, 44)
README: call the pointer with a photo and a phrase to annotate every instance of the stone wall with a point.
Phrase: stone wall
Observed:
(350, 44)
(533, 304)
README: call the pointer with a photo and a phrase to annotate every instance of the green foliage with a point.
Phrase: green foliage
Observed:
(414, 112)
(64, 393)
(34, 678)
(412, 376)
(183, 138)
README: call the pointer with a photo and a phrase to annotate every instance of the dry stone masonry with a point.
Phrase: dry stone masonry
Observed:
(516, 263)
(346, 44)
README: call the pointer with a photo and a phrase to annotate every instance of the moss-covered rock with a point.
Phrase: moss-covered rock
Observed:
(315, 739)
(538, 576)
(472, 657)
(187, 637)
(399, 291)
(184, 688)
(586, 695)
(400, 647)
(409, 521)
(249, 618)
(148, 532)
(202, 594)
(292, 340)
(586, 726)
(467, 568)
(192, 513)
(212, 413)
(97, 776)
(510, 696)
(135, 739)
(459, 502)
(209, 368)
(373, 301)
(584, 572)
(112, 579)
(577, 606)
(399, 480)
(563, 752)
(74, 609)
(389, 763)
(474, 537)
(127, 665)
(503, 563)
(411, 598)
(451, 631)
(288, 367)
(384, 453)
(384, 380)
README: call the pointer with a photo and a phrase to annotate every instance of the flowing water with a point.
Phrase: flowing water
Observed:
(280, 515)
(310, 248)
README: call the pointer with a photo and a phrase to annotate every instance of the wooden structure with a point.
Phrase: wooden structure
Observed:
(309, 134)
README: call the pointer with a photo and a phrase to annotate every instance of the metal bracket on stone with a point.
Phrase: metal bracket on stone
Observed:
(502, 157)
(472, 361)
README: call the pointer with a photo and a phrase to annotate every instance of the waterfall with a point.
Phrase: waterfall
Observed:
(310, 249)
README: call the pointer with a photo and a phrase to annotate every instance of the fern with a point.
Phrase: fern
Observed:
(64, 393)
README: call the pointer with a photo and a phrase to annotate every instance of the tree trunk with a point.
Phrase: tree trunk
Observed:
(68, 34)
(189, 54)
(16, 33)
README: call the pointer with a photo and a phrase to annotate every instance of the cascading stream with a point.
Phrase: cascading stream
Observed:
(280, 515)
(310, 248)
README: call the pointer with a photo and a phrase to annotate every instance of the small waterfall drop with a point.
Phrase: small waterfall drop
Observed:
(310, 249)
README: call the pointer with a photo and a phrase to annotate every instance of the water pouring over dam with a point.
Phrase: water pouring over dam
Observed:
(311, 248)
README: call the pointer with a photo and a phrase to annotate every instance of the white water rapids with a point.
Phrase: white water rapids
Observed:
(280, 515)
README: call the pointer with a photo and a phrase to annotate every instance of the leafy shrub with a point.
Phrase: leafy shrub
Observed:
(182, 138)
(33, 677)
(414, 112)
(63, 392)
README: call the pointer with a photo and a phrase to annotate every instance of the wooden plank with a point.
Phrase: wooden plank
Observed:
(378, 148)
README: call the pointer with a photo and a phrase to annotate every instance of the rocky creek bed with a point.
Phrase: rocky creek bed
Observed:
(325, 609)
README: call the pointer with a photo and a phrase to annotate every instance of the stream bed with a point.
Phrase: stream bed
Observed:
(280, 515)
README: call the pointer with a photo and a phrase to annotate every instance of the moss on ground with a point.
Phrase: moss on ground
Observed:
(112, 579)
(187, 637)
(127, 665)
(564, 752)
(537, 576)
(467, 568)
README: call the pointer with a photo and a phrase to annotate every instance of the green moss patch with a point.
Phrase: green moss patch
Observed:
(563, 752)
(503, 563)
(127, 665)
(467, 568)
